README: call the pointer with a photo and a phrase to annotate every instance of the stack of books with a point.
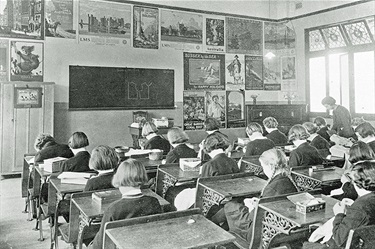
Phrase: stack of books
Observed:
(53, 164)
(75, 177)
(108, 196)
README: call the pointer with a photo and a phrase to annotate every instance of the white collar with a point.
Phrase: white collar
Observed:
(130, 192)
(370, 139)
(210, 132)
(312, 136)
(175, 145)
(75, 151)
(103, 172)
(151, 135)
(215, 152)
(297, 143)
(256, 135)
(269, 130)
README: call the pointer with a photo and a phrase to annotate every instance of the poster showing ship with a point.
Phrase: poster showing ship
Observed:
(104, 22)
(4, 59)
(204, 71)
(194, 110)
(22, 19)
(244, 36)
(59, 19)
(26, 61)
(235, 109)
(145, 27)
(235, 71)
(181, 30)
(214, 35)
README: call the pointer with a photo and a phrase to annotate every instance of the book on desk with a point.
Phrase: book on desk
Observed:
(106, 196)
(75, 177)
(53, 164)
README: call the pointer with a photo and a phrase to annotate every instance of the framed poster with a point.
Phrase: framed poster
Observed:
(204, 71)
(254, 72)
(59, 19)
(25, 97)
(236, 109)
(215, 106)
(235, 73)
(145, 27)
(215, 35)
(194, 110)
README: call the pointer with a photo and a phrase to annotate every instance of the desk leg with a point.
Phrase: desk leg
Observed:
(273, 225)
(83, 224)
(306, 183)
(209, 199)
(168, 181)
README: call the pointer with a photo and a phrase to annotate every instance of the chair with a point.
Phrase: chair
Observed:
(107, 244)
(361, 238)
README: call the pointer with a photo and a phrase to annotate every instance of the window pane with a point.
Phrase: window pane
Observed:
(317, 84)
(364, 82)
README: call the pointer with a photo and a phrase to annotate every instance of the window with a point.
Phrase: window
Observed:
(341, 64)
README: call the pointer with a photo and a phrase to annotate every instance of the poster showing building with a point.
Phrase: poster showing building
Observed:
(235, 109)
(253, 72)
(280, 37)
(235, 71)
(145, 27)
(194, 110)
(59, 19)
(181, 30)
(244, 36)
(26, 61)
(288, 65)
(215, 106)
(272, 72)
(214, 35)
(204, 71)
(22, 19)
(4, 59)
(104, 22)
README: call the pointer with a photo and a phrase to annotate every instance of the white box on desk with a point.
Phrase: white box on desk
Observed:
(160, 122)
(190, 164)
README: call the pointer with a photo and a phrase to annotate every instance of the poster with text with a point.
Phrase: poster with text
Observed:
(181, 30)
(22, 19)
(235, 71)
(26, 61)
(272, 72)
(215, 106)
(194, 110)
(215, 35)
(288, 65)
(145, 27)
(204, 71)
(235, 109)
(4, 59)
(270, 35)
(59, 19)
(254, 72)
(104, 22)
(244, 36)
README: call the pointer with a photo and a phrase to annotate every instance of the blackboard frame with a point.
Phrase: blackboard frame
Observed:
(86, 88)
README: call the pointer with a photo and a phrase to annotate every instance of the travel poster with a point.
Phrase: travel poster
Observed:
(59, 19)
(272, 72)
(4, 59)
(194, 110)
(204, 71)
(235, 71)
(104, 22)
(215, 106)
(235, 109)
(288, 65)
(145, 27)
(181, 30)
(244, 36)
(26, 61)
(253, 72)
(215, 35)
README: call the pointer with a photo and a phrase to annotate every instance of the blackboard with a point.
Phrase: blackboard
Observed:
(120, 88)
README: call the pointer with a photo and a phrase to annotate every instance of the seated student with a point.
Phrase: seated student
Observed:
(270, 124)
(80, 162)
(240, 213)
(47, 147)
(366, 133)
(178, 138)
(258, 144)
(359, 152)
(212, 125)
(104, 160)
(357, 121)
(304, 154)
(154, 141)
(315, 139)
(129, 178)
(320, 122)
(360, 213)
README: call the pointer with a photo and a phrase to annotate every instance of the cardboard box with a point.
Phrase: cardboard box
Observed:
(190, 164)
(306, 203)
(160, 122)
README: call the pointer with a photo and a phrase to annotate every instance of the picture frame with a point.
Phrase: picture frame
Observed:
(28, 97)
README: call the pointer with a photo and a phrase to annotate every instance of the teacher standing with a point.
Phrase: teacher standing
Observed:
(341, 118)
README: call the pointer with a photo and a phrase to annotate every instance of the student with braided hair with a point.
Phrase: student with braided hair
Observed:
(240, 213)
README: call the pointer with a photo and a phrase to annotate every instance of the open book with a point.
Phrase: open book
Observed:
(75, 177)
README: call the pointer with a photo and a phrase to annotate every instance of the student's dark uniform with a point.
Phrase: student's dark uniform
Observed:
(238, 216)
(320, 143)
(277, 137)
(158, 142)
(126, 208)
(204, 156)
(342, 122)
(51, 150)
(372, 145)
(258, 146)
(103, 181)
(180, 151)
(304, 155)
(324, 133)
(219, 165)
(78, 163)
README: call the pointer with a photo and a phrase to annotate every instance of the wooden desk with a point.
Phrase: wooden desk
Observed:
(90, 210)
(251, 164)
(170, 233)
(221, 189)
(307, 181)
(169, 175)
(280, 217)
